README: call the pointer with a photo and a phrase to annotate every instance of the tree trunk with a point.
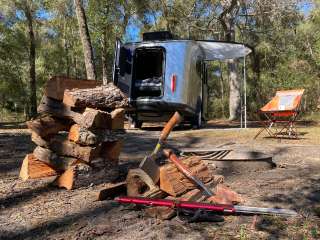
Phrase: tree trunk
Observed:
(66, 46)
(85, 39)
(104, 59)
(235, 91)
(32, 64)
(226, 19)
(234, 82)
(222, 92)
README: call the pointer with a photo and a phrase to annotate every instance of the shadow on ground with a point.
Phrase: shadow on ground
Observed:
(57, 225)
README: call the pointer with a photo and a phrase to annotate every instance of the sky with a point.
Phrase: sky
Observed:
(133, 30)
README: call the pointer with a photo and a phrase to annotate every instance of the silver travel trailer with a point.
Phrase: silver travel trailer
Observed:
(163, 76)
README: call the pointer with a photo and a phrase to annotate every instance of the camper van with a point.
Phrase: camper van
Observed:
(161, 75)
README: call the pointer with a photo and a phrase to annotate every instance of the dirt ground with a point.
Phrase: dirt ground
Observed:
(37, 210)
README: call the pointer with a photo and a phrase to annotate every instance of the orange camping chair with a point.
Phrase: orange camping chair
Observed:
(283, 110)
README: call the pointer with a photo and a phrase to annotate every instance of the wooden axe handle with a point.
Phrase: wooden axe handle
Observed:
(174, 120)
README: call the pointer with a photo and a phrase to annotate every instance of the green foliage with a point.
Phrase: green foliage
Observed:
(285, 42)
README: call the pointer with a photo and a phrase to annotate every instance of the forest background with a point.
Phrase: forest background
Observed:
(41, 38)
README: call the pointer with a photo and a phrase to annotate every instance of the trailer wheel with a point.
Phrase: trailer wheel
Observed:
(197, 121)
(136, 124)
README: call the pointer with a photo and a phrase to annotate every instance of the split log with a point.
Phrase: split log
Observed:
(82, 136)
(58, 109)
(52, 159)
(88, 118)
(117, 119)
(139, 184)
(39, 141)
(111, 150)
(33, 168)
(103, 97)
(87, 137)
(224, 195)
(197, 194)
(67, 179)
(92, 118)
(56, 86)
(71, 149)
(112, 191)
(46, 126)
(175, 183)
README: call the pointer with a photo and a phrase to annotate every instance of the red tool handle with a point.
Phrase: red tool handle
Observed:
(174, 120)
(176, 204)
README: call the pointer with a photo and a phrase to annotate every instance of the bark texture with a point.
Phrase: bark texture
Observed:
(83, 136)
(47, 126)
(52, 159)
(56, 86)
(32, 62)
(103, 97)
(71, 149)
(235, 91)
(227, 18)
(85, 39)
(90, 118)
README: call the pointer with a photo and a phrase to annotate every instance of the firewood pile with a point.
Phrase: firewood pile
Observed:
(79, 133)
(173, 185)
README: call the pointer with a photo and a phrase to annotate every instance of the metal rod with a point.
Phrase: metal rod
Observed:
(207, 206)
(241, 103)
(261, 210)
(245, 92)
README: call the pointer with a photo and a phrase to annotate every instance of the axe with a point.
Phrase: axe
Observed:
(148, 164)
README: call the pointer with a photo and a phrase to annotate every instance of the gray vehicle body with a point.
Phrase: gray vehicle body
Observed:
(183, 75)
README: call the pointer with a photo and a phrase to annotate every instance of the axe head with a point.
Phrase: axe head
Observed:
(150, 167)
(148, 164)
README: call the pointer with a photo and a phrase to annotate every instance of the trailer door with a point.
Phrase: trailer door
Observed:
(116, 68)
(122, 67)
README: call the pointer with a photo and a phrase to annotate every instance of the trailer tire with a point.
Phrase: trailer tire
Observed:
(197, 120)
(137, 124)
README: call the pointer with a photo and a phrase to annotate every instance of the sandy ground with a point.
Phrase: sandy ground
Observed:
(37, 210)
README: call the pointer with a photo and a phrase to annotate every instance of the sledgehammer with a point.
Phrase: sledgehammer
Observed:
(148, 164)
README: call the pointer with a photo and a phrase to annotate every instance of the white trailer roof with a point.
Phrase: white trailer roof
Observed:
(223, 50)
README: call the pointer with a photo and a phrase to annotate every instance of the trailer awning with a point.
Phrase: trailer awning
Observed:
(223, 50)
